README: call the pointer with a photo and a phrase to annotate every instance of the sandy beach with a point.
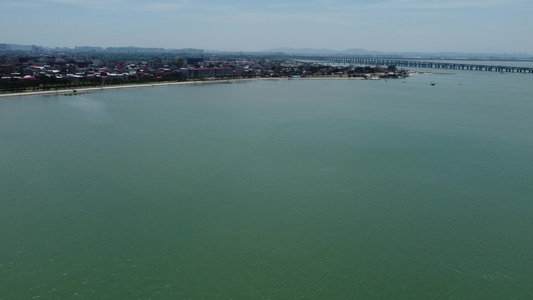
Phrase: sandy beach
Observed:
(146, 85)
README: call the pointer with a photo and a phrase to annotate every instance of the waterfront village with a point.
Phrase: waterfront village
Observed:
(44, 71)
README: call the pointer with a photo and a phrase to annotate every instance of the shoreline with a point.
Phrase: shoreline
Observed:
(171, 83)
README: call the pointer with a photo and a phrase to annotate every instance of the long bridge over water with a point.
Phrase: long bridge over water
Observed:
(417, 64)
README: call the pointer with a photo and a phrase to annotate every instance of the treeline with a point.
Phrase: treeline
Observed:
(45, 83)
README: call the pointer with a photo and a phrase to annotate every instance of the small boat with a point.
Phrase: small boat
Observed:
(432, 84)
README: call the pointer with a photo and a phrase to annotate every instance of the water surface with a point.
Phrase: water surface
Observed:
(323, 189)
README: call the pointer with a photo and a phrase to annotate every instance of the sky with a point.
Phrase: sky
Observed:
(471, 26)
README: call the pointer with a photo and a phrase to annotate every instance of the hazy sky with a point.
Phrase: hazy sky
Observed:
(496, 26)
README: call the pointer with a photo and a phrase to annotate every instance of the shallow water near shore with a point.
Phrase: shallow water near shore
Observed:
(321, 189)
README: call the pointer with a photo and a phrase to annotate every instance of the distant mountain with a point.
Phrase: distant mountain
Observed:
(285, 50)
(322, 51)
(411, 54)
(288, 50)
(358, 51)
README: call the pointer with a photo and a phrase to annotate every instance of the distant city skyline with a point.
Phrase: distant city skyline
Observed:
(490, 26)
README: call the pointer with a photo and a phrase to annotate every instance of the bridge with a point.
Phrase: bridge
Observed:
(370, 61)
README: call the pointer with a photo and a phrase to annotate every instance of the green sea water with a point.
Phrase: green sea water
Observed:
(289, 189)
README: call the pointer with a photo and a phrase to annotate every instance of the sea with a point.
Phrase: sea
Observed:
(415, 188)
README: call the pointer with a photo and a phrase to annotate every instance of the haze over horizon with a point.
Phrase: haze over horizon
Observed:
(491, 26)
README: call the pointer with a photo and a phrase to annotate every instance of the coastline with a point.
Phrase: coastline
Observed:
(146, 85)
